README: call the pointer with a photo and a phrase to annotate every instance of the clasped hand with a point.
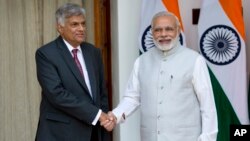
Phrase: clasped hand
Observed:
(108, 121)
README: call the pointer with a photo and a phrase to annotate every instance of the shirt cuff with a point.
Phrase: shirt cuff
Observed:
(97, 117)
(119, 116)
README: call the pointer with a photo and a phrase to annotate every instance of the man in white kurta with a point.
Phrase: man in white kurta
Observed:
(171, 84)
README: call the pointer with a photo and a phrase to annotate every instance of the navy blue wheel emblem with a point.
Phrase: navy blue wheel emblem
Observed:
(220, 44)
(147, 39)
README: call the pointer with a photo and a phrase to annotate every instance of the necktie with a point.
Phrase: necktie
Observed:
(74, 51)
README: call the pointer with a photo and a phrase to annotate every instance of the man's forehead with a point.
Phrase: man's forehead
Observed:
(164, 24)
(75, 18)
(166, 18)
(165, 21)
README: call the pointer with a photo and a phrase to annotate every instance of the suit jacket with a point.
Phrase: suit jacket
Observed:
(67, 109)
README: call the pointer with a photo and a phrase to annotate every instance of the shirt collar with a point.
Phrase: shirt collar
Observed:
(70, 47)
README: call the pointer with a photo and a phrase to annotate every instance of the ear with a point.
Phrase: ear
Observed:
(179, 29)
(59, 28)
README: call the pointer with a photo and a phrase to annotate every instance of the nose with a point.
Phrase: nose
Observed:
(164, 33)
(82, 27)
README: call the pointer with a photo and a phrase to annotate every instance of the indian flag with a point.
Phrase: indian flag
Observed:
(222, 43)
(149, 9)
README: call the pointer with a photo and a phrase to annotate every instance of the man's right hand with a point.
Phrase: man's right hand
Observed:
(108, 121)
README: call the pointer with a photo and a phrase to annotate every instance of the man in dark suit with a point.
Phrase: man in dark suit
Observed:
(70, 72)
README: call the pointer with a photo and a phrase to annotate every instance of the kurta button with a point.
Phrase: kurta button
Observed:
(158, 132)
(160, 102)
(162, 87)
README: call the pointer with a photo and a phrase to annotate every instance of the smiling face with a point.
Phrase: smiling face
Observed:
(73, 30)
(165, 32)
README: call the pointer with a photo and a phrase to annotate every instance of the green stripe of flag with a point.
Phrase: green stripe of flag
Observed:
(225, 113)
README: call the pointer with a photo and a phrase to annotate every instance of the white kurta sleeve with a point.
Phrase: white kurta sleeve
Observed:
(131, 97)
(203, 89)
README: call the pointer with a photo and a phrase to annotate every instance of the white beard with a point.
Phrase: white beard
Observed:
(166, 47)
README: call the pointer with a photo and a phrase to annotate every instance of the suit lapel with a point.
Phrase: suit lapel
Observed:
(70, 62)
(88, 58)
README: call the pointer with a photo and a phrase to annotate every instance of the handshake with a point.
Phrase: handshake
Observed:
(108, 121)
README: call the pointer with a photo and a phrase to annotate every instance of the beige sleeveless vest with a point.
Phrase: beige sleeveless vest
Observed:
(169, 106)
